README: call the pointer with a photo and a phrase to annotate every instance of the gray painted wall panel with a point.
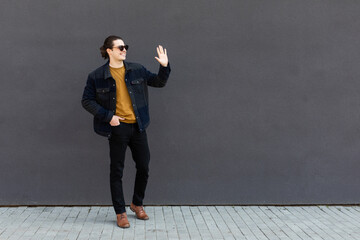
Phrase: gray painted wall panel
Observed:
(262, 105)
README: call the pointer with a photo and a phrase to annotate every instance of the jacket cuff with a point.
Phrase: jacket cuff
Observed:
(109, 116)
(167, 68)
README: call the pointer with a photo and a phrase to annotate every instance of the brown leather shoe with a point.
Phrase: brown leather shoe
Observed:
(122, 220)
(139, 211)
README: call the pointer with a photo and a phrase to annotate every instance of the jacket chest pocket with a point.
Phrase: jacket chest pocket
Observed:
(138, 85)
(102, 95)
(139, 91)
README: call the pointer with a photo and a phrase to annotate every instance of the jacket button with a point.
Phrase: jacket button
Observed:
(113, 98)
(130, 92)
(114, 85)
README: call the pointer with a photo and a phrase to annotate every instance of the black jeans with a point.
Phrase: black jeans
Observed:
(122, 136)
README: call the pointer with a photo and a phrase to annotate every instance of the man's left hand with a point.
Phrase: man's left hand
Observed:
(162, 56)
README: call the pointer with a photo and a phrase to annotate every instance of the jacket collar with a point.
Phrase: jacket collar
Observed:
(107, 73)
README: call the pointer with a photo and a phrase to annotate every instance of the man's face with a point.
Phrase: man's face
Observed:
(115, 52)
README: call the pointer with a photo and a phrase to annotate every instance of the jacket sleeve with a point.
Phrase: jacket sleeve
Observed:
(88, 102)
(157, 80)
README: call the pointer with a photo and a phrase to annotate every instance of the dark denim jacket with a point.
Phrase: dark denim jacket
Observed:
(99, 97)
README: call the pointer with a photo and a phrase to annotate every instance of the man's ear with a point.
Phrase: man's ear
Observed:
(108, 50)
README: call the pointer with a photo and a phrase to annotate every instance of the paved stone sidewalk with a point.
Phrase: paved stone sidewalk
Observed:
(183, 222)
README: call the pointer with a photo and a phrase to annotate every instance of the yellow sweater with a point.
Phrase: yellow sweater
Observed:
(123, 102)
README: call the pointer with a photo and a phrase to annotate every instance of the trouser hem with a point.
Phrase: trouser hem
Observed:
(120, 210)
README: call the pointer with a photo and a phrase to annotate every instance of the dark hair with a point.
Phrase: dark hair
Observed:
(108, 43)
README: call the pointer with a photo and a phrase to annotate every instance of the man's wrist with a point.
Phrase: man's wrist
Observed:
(167, 64)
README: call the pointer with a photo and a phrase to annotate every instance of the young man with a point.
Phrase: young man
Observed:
(117, 95)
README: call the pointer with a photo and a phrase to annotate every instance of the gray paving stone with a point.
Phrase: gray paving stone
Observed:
(183, 222)
(190, 223)
(317, 220)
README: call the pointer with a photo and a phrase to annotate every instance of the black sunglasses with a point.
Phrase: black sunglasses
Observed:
(121, 47)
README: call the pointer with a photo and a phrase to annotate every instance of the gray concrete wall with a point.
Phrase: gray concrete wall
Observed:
(262, 105)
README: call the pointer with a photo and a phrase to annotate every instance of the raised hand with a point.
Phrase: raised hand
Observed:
(162, 56)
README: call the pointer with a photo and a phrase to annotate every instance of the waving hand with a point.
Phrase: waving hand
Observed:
(162, 56)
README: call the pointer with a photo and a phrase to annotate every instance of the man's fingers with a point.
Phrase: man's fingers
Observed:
(121, 118)
(165, 51)
(115, 124)
(158, 51)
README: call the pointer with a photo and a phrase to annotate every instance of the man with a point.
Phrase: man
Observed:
(117, 95)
